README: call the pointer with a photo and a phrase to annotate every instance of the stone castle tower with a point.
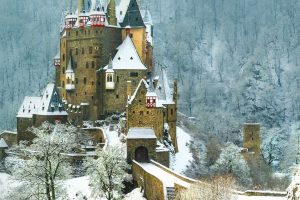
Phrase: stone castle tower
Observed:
(91, 36)
(251, 133)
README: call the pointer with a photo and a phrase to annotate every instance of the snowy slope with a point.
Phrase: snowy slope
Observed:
(182, 159)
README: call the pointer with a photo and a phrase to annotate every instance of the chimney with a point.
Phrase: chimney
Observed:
(129, 90)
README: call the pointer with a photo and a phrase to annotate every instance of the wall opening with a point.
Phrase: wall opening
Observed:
(141, 154)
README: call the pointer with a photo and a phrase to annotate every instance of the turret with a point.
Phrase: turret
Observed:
(70, 76)
(109, 77)
(83, 19)
(70, 21)
(56, 60)
(97, 17)
(83, 9)
(111, 13)
(133, 26)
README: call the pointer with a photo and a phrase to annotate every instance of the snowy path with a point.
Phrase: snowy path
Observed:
(183, 158)
(166, 178)
(112, 137)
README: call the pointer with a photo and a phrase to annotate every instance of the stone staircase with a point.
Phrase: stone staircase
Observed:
(171, 193)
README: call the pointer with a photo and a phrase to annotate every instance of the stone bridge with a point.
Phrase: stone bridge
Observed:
(158, 181)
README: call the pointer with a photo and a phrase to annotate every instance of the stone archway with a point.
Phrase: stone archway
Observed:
(141, 154)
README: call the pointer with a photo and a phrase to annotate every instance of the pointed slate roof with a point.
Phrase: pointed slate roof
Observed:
(70, 65)
(87, 4)
(127, 57)
(151, 89)
(51, 102)
(110, 66)
(133, 17)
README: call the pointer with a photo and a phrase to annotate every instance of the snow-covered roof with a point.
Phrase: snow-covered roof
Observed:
(122, 9)
(159, 104)
(141, 133)
(29, 107)
(163, 90)
(8, 132)
(49, 104)
(137, 89)
(127, 57)
(3, 143)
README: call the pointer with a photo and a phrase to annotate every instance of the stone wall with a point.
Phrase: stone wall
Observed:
(90, 48)
(133, 144)
(116, 100)
(22, 129)
(152, 186)
(252, 137)
(163, 157)
(140, 116)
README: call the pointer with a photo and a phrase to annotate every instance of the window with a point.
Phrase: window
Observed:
(63, 84)
(147, 112)
(92, 82)
(99, 83)
(133, 112)
(117, 78)
(84, 80)
(90, 50)
(93, 64)
(117, 96)
(92, 97)
(171, 111)
(87, 65)
(134, 74)
(71, 51)
(63, 70)
(68, 80)
(64, 57)
(76, 80)
(82, 51)
(109, 78)
(85, 93)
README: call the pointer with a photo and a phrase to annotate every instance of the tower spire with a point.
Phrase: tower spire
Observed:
(111, 13)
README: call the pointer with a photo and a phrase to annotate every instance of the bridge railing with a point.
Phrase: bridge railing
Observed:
(153, 187)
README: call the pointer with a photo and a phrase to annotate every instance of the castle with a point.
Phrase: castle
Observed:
(105, 66)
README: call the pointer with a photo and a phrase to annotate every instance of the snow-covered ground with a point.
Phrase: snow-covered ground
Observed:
(182, 159)
(241, 197)
(135, 195)
(76, 188)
